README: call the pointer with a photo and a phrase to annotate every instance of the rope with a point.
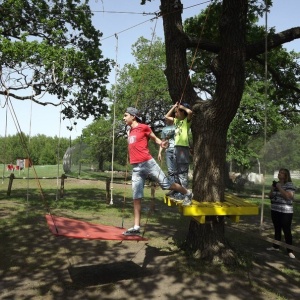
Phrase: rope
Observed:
(29, 136)
(124, 194)
(149, 56)
(23, 142)
(267, 239)
(59, 130)
(265, 117)
(194, 56)
(136, 104)
(5, 135)
(114, 123)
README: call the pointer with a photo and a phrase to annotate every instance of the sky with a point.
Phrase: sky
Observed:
(128, 20)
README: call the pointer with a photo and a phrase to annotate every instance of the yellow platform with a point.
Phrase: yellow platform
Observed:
(233, 207)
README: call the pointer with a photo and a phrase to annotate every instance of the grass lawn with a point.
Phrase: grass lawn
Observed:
(37, 265)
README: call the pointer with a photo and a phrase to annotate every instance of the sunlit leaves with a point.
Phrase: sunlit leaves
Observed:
(51, 47)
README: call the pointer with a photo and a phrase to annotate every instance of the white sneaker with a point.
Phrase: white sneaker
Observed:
(291, 255)
(187, 199)
(132, 231)
(272, 249)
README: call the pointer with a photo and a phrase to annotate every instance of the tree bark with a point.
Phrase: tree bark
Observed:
(211, 119)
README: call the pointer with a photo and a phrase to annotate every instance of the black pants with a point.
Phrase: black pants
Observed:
(282, 221)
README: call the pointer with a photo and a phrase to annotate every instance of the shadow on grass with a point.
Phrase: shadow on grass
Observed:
(106, 273)
(34, 263)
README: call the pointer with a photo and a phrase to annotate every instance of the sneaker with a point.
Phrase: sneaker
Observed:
(170, 193)
(272, 249)
(187, 199)
(132, 231)
(178, 197)
(291, 255)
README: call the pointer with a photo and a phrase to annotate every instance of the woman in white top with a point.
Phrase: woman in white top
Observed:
(282, 196)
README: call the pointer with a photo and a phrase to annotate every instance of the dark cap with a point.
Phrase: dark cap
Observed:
(134, 112)
(186, 105)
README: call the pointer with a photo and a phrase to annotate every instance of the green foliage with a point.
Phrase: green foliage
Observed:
(144, 85)
(258, 115)
(42, 150)
(51, 47)
(282, 150)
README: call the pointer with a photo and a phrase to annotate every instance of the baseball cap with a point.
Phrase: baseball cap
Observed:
(186, 105)
(134, 112)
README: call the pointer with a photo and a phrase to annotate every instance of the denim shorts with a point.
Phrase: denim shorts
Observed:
(148, 169)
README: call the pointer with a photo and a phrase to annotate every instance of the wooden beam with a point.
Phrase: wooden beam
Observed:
(233, 207)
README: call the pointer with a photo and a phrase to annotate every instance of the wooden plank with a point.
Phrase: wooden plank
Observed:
(195, 210)
(233, 207)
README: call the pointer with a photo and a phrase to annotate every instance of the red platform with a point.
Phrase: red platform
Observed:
(71, 228)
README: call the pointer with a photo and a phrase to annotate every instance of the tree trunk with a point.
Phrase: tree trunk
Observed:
(211, 118)
(100, 163)
(207, 241)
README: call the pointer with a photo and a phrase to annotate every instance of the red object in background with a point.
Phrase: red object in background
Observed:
(10, 168)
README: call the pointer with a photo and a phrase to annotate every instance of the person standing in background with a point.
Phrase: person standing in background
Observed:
(282, 196)
(167, 134)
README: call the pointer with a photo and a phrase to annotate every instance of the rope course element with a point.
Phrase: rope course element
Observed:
(157, 15)
(142, 82)
(5, 135)
(49, 217)
(265, 108)
(114, 122)
(194, 56)
(58, 189)
(233, 207)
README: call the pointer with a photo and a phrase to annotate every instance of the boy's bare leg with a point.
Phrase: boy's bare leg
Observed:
(137, 211)
(178, 188)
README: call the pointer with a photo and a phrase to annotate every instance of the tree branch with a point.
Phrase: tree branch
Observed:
(276, 76)
(23, 98)
(274, 41)
(202, 44)
(253, 49)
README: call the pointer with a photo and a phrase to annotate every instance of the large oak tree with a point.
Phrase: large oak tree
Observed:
(211, 118)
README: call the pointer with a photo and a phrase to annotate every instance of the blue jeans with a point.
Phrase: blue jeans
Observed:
(170, 163)
(142, 171)
(181, 164)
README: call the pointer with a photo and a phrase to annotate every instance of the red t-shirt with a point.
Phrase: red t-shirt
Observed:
(138, 144)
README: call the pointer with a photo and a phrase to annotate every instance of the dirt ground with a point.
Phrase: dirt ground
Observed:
(38, 265)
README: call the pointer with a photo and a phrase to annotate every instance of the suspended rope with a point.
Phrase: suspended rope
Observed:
(196, 51)
(114, 123)
(28, 156)
(148, 59)
(5, 137)
(25, 146)
(59, 130)
(265, 116)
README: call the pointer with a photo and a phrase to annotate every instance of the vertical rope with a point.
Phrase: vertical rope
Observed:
(29, 160)
(114, 124)
(266, 108)
(148, 58)
(5, 136)
(196, 51)
(59, 131)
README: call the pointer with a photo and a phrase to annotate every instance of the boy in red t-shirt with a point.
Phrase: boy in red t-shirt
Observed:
(143, 164)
